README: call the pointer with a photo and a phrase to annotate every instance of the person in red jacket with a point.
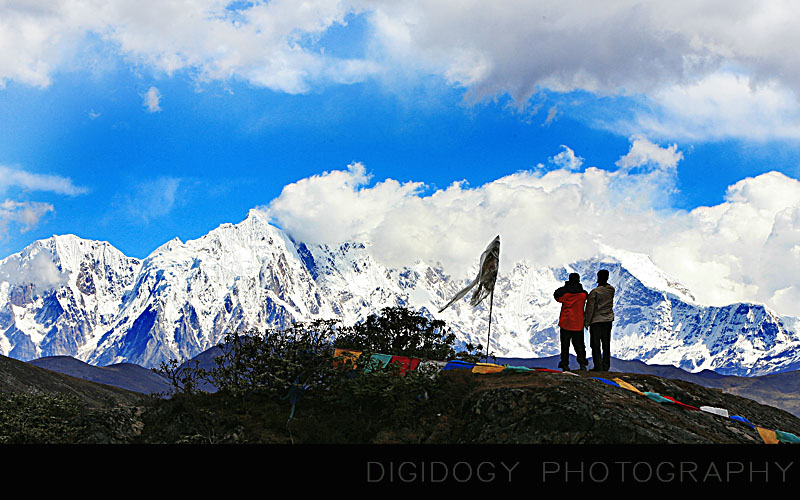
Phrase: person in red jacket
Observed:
(572, 297)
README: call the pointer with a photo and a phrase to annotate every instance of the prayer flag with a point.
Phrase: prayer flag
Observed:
(626, 385)
(406, 364)
(487, 275)
(787, 437)
(767, 435)
(520, 369)
(658, 398)
(693, 408)
(345, 357)
(741, 419)
(606, 381)
(439, 365)
(377, 362)
(458, 365)
(487, 368)
(717, 411)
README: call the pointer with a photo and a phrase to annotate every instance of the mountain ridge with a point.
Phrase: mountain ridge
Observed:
(96, 304)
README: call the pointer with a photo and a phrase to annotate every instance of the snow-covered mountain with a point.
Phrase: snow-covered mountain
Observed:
(81, 298)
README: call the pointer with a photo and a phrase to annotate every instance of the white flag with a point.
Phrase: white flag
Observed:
(487, 275)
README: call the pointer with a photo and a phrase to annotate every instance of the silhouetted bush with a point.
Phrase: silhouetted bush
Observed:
(402, 332)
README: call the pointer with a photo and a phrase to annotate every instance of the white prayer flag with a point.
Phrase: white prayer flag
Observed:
(487, 275)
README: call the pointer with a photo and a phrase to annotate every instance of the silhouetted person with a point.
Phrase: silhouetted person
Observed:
(572, 297)
(598, 318)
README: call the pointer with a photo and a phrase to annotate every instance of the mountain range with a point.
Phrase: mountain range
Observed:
(68, 296)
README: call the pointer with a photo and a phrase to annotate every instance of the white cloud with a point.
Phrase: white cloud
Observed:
(552, 115)
(676, 53)
(567, 159)
(744, 249)
(720, 106)
(152, 100)
(149, 199)
(337, 205)
(644, 152)
(25, 213)
(15, 177)
(40, 270)
(260, 42)
(630, 46)
(553, 216)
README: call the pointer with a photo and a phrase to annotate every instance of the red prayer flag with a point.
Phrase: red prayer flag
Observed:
(682, 404)
(406, 364)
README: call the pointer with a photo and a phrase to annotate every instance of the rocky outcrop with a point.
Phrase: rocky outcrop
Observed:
(554, 408)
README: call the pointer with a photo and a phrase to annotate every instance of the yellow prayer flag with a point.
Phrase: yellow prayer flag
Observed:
(628, 386)
(767, 435)
(487, 368)
(345, 356)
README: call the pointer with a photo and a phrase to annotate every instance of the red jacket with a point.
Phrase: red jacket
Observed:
(572, 297)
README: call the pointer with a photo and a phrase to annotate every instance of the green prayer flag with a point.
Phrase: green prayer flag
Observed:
(658, 398)
(787, 437)
(377, 362)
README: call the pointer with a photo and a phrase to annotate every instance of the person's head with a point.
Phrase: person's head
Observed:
(574, 278)
(602, 276)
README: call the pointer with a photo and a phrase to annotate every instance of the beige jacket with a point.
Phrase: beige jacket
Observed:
(599, 305)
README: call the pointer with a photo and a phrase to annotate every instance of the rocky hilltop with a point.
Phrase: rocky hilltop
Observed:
(463, 408)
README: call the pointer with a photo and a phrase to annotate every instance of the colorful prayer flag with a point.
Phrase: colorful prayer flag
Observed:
(458, 365)
(658, 398)
(406, 364)
(787, 437)
(690, 407)
(767, 435)
(519, 369)
(377, 362)
(716, 411)
(606, 381)
(487, 368)
(345, 357)
(626, 385)
(741, 419)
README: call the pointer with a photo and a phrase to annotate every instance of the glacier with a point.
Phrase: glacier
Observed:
(67, 296)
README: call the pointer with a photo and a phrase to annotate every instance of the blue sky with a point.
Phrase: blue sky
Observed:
(138, 122)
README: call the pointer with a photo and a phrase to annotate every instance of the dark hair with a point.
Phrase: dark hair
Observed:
(574, 278)
(602, 276)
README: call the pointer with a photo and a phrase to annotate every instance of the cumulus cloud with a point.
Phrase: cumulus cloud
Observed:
(567, 159)
(554, 216)
(717, 107)
(152, 100)
(744, 249)
(709, 68)
(337, 206)
(644, 152)
(260, 42)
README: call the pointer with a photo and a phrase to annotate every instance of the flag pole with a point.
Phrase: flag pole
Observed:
(489, 337)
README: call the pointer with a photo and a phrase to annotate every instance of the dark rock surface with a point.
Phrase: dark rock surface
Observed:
(556, 408)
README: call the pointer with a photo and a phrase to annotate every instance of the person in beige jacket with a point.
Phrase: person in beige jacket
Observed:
(598, 318)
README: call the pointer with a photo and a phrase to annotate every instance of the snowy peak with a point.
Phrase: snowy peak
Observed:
(645, 270)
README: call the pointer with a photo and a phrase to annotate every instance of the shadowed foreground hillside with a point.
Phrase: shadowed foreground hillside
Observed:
(461, 408)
